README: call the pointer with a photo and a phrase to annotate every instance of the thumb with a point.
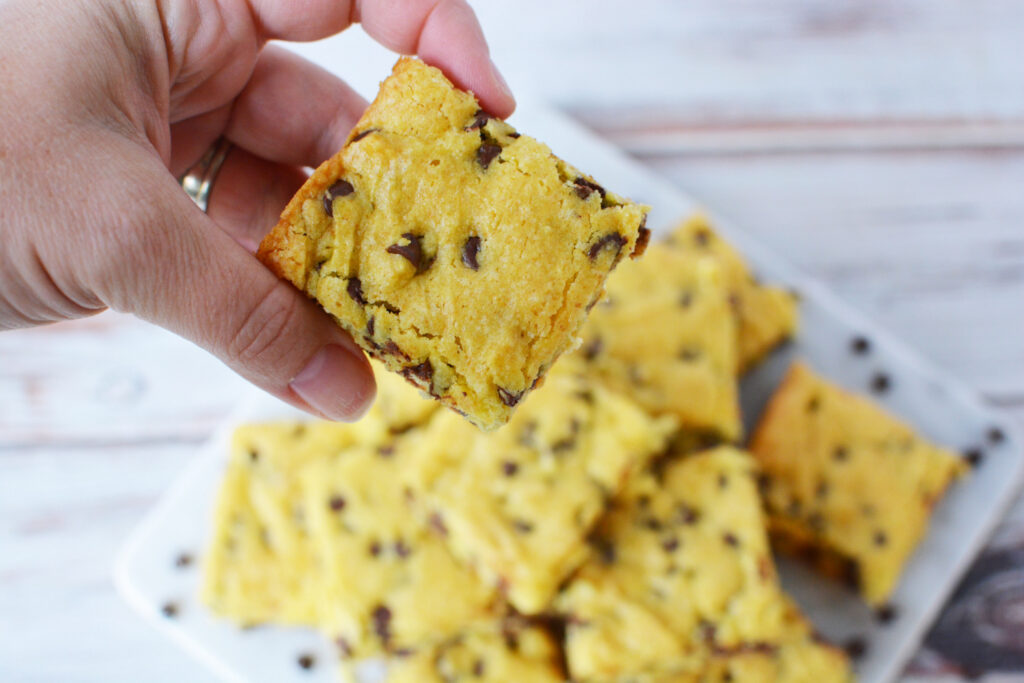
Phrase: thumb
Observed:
(179, 270)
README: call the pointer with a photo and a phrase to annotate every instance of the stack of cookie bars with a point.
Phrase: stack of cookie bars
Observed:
(611, 531)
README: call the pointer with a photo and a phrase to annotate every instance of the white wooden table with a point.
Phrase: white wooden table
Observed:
(880, 145)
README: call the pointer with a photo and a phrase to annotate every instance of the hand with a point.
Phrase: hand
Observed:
(105, 103)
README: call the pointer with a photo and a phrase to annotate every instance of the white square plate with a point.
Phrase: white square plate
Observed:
(147, 575)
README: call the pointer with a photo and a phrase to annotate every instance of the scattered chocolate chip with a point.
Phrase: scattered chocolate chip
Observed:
(254, 455)
(562, 445)
(509, 468)
(688, 515)
(821, 491)
(794, 508)
(886, 614)
(392, 349)
(478, 668)
(974, 456)
(370, 326)
(816, 522)
(592, 348)
(344, 647)
(404, 652)
(522, 526)
(686, 299)
(689, 355)
(487, 153)
(423, 372)
(306, 661)
(401, 549)
(342, 188)
(840, 454)
(860, 345)
(381, 617)
(856, 647)
(480, 120)
(764, 482)
(336, 503)
(470, 249)
(183, 561)
(996, 435)
(880, 383)
(411, 252)
(375, 549)
(584, 188)
(643, 238)
(355, 290)
(437, 524)
(604, 548)
(362, 134)
(702, 237)
(652, 524)
(612, 240)
(509, 398)
(880, 538)
(390, 308)
(730, 539)
(170, 610)
(670, 544)
(813, 403)
(386, 451)
(735, 302)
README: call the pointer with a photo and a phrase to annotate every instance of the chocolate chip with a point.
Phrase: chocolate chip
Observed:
(306, 661)
(592, 348)
(996, 435)
(723, 481)
(509, 398)
(689, 355)
(169, 610)
(730, 539)
(401, 549)
(840, 454)
(509, 468)
(860, 345)
(612, 240)
(974, 456)
(412, 252)
(478, 668)
(375, 549)
(822, 490)
(764, 483)
(404, 652)
(254, 455)
(688, 515)
(686, 299)
(880, 383)
(886, 614)
(522, 526)
(381, 617)
(371, 326)
(880, 538)
(702, 237)
(362, 134)
(470, 249)
(423, 372)
(813, 403)
(604, 548)
(585, 188)
(342, 188)
(437, 524)
(816, 522)
(183, 561)
(480, 120)
(336, 503)
(643, 238)
(355, 290)
(487, 152)
(386, 451)
(670, 544)
(856, 647)
(343, 646)
(392, 349)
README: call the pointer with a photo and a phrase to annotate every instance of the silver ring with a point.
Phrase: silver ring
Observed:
(198, 180)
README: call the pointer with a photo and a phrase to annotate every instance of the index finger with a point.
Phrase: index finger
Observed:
(444, 33)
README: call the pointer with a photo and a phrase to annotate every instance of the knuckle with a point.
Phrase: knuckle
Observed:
(263, 330)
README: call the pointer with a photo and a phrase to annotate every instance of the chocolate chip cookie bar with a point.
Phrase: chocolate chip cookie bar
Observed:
(681, 570)
(845, 483)
(767, 315)
(517, 504)
(460, 253)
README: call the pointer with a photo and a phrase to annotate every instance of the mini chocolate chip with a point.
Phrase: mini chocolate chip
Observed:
(423, 372)
(183, 560)
(336, 503)
(386, 451)
(840, 454)
(612, 240)
(375, 549)
(886, 614)
(764, 482)
(996, 435)
(723, 480)
(306, 661)
(822, 490)
(390, 308)
(487, 153)
(652, 524)
(392, 349)
(478, 668)
(880, 383)
(605, 549)
(254, 455)
(860, 345)
(643, 238)
(702, 237)
(509, 468)
(480, 120)
(355, 290)
(880, 538)
(688, 515)
(343, 646)
(342, 188)
(735, 301)
(686, 299)
(522, 526)
(169, 610)
(370, 326)
(382, 623)
(404, 652)
(730, 539)
(563, 444)
(401, 549)
(813, 403)
(470, 249)
(816, 522)
(584, 188)
(509, 398)
(670, 544)
(689, 355)
(437, 524)
(856, 647)
(362, 134)
(412, 252)
(592, 348)
(974, 456)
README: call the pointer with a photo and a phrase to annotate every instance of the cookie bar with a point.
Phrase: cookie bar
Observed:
(665, 335)
(511, 651)
(460, 253)
(681, 570)
(389, 584)
(767, 315)
(846, 483)
(517, 503)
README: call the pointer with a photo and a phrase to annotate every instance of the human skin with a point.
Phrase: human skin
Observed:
(104, 103)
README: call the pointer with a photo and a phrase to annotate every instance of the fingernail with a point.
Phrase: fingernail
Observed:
(500, 81)
(337, 383)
